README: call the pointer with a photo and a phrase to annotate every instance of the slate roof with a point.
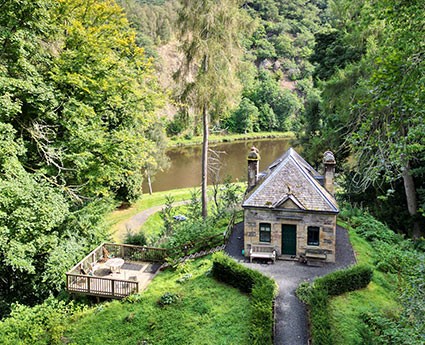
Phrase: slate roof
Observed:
(291, 183)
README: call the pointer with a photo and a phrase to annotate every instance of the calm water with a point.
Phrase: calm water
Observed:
(185, 167)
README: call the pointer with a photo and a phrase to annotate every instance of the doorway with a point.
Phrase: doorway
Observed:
(289, 239)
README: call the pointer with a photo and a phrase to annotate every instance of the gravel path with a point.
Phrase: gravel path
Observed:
(291, 315)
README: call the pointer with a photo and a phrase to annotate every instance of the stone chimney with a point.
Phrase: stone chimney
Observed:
(329, 163)
(253, 167)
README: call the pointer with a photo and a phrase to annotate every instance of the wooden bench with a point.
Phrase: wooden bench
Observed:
(262, 251)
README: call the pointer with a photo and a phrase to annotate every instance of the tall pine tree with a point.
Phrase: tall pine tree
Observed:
(211, 34)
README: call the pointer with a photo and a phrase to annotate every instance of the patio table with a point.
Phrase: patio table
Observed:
(115, 264)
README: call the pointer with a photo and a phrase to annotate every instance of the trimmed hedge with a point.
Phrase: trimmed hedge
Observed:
(317, 298)
(350, 279)
(262, 289)
(320, 326)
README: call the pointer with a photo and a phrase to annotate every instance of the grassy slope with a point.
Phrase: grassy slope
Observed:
(207, 312)
(346, 309)
(118, 218)
(155, 223)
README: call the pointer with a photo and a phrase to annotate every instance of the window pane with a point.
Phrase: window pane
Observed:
(313, 235)
(265, 232)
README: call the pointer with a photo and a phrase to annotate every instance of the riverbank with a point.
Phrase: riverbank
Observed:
(220, 138)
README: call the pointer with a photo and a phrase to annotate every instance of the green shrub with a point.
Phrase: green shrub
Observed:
(320, 326)
(138, 239)
(262, 289)
(372, 229)
(134, 298)
(304, 292)
(262, 318)
(167, 299)
(317, 295)
(42, 324)
(392, 259)
(350, 279)
(184, 278)
(227, 270)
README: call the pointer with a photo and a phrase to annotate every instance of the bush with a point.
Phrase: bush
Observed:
(230, 272)
(320, 326)
(184, 278)
(262, 289)
(42, 324)
(167, 299)
(392, 259)
(304, 292)
(350, 279)
(138, 239)
(372, 229)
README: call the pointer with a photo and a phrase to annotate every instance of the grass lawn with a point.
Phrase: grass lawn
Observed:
(155, 223)
(118, 218)
(152, 226)
(206, 313)
(346, 310)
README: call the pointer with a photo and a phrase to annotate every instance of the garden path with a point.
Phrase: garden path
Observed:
(291, 324)
(134, 223)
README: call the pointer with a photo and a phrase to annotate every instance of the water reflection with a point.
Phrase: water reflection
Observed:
(185, 167)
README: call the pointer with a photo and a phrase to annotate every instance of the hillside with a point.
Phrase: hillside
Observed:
(276, 56)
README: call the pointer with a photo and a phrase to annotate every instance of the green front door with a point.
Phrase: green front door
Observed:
(289, 239)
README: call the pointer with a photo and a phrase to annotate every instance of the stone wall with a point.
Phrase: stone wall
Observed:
(326, 223)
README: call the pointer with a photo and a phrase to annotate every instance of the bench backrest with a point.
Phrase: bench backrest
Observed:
(262, 248)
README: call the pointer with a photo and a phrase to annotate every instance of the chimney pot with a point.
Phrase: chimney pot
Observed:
(253, 167)
(329, 163)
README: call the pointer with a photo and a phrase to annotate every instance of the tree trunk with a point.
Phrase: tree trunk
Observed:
(150, 184)
(412, 203)
(204, 162)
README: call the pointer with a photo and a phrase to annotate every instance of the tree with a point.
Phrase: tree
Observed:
(245, 117)
(388, 142)
(77, 106)
(210, 33)
(371, 106)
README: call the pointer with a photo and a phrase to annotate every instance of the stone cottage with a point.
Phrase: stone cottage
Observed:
(291, 207)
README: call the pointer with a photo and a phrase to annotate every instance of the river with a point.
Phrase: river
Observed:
(185, 162)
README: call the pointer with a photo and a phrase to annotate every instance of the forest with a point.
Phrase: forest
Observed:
(91, 92)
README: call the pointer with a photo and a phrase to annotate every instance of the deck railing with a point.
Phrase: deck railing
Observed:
(78, 280)
(98, 286)
(136, 253)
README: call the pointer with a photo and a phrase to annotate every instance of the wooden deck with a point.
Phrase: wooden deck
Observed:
(92, 275)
